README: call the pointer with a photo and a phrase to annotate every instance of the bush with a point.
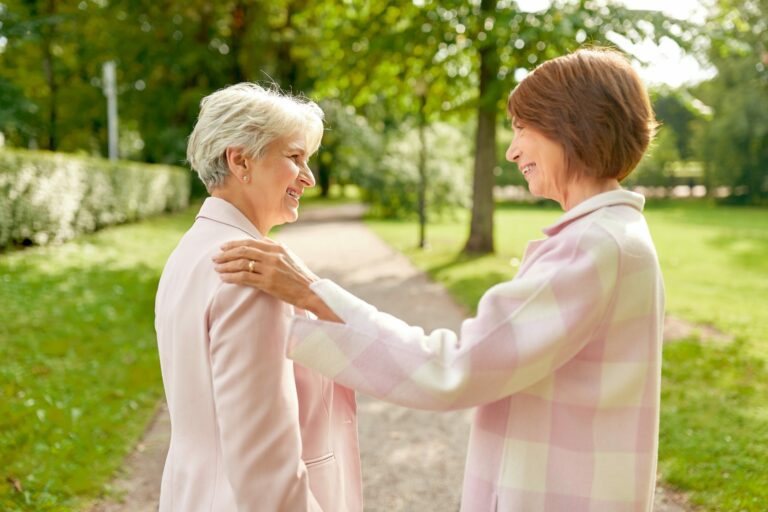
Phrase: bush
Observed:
(392, 187)
(52, 197)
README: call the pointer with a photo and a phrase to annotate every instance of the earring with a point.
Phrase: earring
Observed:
(245, 179)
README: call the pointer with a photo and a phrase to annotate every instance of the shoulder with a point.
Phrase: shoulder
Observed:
(629, 230)
(620, 234)
(591, 237)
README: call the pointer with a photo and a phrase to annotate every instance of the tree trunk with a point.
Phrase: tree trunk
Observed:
(238, 28)
(422, 172)
(324, 173)
(50, 78)
(481, 225)
(287, 69)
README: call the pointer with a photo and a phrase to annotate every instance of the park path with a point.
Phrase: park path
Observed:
(412, 460)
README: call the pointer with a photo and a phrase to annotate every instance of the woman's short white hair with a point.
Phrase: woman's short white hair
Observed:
(247, 116)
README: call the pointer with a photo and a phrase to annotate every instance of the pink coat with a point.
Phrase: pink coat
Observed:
(250, 431)
(563, 363)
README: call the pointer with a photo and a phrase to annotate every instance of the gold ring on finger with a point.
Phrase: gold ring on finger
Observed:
(251, 265)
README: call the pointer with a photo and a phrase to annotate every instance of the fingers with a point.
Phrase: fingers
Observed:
(257, 250)
(265, 244)
(240, 253)
(239, 265)
(242, 278)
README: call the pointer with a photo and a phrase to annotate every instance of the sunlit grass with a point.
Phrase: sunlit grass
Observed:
(714, 429)
(79, 377)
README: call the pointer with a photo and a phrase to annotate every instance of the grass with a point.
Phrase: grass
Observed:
(79, 377)
(714, 427)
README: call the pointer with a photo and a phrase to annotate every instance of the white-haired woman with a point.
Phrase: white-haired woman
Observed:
(250, 431)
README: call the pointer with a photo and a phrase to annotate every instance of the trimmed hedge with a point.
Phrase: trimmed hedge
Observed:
(51, 197)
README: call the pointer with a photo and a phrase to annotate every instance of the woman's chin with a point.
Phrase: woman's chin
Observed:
(292, 215)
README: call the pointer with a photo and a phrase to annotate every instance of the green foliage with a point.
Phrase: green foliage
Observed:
(351, 146)
(655, 169)
(677, 110)
(52, 197)
(392, 186)
(386, 167)
(79, 377)
(734, 142)
(714, 427)
(16, 111)
(395, 62)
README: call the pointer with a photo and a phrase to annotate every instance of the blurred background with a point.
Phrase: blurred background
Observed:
(97, 98)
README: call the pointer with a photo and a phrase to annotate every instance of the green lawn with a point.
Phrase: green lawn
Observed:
(714, 429)
(79, 377)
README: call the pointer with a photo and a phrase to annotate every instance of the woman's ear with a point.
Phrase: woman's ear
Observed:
(235, 160)
(237, 163)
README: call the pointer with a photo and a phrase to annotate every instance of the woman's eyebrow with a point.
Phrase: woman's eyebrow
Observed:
(296, 148)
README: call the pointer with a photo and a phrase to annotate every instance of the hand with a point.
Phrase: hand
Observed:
(274, 269)
(268, 266)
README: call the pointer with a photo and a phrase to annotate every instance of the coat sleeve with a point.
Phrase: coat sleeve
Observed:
(524, 330)
(256, 404)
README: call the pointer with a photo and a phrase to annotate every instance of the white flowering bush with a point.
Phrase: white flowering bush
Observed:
(52, 197)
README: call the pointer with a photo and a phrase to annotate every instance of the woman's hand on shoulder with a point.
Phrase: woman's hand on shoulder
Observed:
(268, 266)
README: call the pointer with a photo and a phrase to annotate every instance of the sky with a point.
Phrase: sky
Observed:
(668, 64)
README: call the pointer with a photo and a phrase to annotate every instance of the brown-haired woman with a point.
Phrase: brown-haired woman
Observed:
(563, 361)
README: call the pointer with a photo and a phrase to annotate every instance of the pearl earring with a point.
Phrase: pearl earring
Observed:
(245, 179)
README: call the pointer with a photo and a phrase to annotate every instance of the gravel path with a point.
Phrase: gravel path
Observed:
(412, 460)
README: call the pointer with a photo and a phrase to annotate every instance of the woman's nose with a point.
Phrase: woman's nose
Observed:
(306, 177)
(512, 153)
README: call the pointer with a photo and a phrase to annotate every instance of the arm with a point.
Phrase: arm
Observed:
(255, 400)
(524, 330)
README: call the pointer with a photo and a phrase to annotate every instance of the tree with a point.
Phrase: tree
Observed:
(676, 109)
(733, 143)
(508, 40)
(468, 54)
(397, 88)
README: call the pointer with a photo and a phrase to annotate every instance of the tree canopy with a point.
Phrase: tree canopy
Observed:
(391, 65)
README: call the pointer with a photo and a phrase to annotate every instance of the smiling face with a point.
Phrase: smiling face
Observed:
(542, 162)
(277, 181)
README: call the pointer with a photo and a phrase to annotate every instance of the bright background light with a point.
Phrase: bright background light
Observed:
(666, 63)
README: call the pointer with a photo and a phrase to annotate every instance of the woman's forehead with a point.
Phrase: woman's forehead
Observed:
(292, 142)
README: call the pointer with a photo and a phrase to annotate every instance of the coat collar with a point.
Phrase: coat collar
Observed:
(612, 198)
(224, 212)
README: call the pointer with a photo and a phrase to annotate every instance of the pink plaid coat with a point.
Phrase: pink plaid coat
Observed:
(563, 363)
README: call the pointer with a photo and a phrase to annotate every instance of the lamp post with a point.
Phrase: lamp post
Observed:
(110, 91)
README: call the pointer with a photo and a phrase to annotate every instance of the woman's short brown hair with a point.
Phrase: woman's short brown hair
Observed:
(594, 104)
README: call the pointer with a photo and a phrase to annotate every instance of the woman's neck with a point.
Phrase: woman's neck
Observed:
(237, 198)
(580, 190)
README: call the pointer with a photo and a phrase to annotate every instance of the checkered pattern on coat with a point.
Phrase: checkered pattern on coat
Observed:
(562, 363)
